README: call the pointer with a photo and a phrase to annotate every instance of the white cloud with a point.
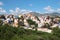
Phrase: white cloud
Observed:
(19, 11)
(38, 11)
(25, 11)
(49, 9)
(58, 10)
(11, 11)
(15, 12)
(2, 11)
(30, 4)
(1, 3)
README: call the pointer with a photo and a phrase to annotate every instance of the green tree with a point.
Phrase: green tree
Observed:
(1, 22)
(32, 23)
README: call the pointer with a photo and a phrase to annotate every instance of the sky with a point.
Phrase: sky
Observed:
(18, 6)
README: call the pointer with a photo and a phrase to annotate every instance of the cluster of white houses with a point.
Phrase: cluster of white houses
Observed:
(42, 21)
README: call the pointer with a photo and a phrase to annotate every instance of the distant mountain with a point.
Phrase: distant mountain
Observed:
(45, 14)
(38, 14)
(52, 14)
(35, 14)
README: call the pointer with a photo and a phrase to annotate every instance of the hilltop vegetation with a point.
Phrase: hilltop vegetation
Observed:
(8, 32)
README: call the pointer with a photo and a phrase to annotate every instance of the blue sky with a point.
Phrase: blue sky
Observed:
(33, 5)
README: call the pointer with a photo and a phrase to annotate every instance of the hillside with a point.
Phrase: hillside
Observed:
(45, 14)
(35, 14)
(13, 33)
